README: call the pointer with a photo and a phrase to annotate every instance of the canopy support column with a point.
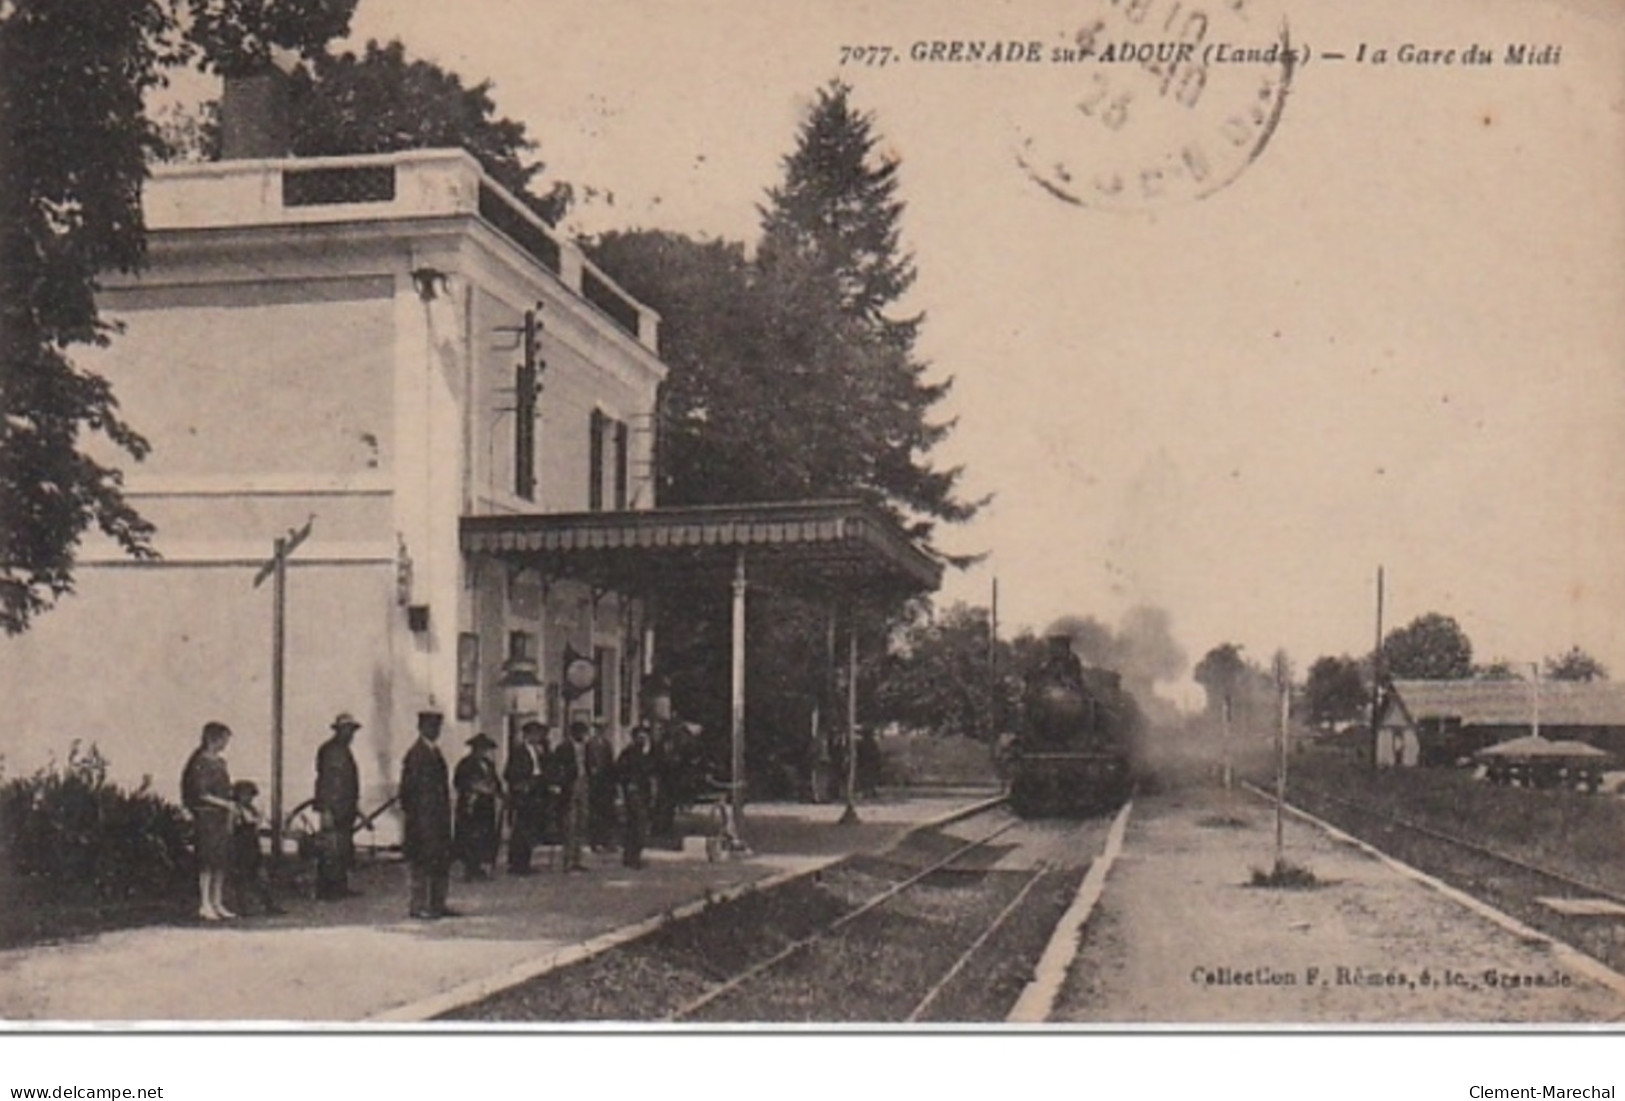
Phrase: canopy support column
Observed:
(736, 721)
(849, 817)
(826, 702)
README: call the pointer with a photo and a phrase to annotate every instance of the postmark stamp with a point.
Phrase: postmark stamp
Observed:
(1174, 100)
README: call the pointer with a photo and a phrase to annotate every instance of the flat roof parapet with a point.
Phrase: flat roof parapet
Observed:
(380, 187)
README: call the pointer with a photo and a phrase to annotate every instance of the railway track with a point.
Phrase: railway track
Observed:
(1508, 882)
(947, 925)
(829, 938)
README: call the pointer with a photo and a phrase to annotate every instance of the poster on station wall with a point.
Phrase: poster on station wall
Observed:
(1248, 371)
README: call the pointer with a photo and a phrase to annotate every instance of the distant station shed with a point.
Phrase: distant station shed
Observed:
(1442, 722)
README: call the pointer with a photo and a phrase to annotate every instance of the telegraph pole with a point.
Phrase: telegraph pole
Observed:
(993, 667)
(1376, 673)
(276, 567)
(1283, 684)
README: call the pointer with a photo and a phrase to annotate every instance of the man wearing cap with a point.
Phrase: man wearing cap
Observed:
(338, 801)
(527, 775)
(426, 805)
(479, 793)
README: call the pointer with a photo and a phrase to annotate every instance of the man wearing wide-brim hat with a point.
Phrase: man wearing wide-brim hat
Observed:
(479, 795)
(338, 803)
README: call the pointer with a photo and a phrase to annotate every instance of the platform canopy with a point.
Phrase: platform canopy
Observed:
(815, 548)
(834, 552)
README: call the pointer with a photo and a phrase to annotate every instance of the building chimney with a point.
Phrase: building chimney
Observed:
(254, 114)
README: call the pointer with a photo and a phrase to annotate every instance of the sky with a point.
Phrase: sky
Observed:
(1393, 336)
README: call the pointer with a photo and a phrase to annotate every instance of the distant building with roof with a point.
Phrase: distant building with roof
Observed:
(1431, 722)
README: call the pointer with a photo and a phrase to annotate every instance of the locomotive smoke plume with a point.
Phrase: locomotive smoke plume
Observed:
(1175, 749)
(1142, 649)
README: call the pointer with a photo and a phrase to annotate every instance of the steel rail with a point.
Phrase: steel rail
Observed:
(789, 950)
(1473, 846)
(976, 945)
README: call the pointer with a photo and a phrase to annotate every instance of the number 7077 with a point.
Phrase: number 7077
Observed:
(867, 55)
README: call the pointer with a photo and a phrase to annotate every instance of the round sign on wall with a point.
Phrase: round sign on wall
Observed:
(580, 674)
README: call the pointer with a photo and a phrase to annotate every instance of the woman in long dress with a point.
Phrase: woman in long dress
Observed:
(479, 792)
(206, 791)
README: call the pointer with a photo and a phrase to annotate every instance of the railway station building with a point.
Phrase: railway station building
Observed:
(447, 414)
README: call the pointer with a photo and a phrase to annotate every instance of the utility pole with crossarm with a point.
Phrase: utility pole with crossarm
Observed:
(277, 567)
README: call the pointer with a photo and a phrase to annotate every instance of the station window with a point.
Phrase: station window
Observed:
(622, 441)
(596, 429)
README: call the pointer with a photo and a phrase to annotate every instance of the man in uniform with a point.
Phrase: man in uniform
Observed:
(338, 800)
(426, 804)
(526, 775)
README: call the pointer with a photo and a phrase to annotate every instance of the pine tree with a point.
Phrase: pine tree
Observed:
(791, 378)
(833, 269)
(838, 215)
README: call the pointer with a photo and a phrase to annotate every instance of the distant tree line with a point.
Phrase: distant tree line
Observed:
(1432, 646)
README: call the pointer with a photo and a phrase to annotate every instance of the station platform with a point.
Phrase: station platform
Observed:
(363, 960)
(1180, 936)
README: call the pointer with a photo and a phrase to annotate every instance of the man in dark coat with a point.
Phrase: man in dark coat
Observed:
(635, 769)
(528, 789)
(338, 801)
(600, 790)
(426, 805)
(479, 798)
(663, 807)
(570, 774)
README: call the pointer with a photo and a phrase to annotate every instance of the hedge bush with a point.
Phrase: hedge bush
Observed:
(69, 833)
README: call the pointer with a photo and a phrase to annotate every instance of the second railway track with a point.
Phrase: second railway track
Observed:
(1508, 882)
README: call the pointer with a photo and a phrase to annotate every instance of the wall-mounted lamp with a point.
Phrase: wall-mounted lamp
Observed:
(429, 282)
(520, 680)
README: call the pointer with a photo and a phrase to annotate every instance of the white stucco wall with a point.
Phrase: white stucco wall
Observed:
(266, 402)
(343, 366)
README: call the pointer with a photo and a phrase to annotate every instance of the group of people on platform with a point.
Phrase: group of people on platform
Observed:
(578, 794)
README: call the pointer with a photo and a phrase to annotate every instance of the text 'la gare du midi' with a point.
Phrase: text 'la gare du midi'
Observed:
(958, 50)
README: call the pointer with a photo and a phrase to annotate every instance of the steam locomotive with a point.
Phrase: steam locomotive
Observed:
(1077, 746)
